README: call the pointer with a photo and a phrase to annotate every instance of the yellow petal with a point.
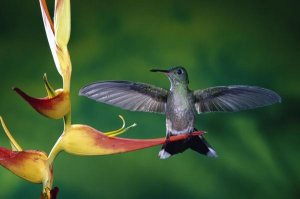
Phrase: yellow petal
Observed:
(62, 22)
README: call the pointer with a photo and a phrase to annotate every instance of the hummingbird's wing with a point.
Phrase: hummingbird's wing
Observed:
(128, 95)
(233, 98)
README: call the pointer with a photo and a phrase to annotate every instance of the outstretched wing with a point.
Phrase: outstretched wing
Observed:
(233, 98)
(128, 95)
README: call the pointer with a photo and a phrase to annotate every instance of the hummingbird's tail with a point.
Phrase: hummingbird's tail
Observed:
(196, 143)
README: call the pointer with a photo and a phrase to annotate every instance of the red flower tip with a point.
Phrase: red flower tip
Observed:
(54, 107)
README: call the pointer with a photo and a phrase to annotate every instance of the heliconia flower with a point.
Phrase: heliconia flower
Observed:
(56, 105)
(31, 165)
(84, 140)
(58, 34)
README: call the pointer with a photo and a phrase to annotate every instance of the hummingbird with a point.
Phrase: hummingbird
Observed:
(180, 104)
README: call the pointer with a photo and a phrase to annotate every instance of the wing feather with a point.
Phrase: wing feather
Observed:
(128, 95)
(233, 98)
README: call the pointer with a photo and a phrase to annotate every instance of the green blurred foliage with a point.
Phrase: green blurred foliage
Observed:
(219, 42)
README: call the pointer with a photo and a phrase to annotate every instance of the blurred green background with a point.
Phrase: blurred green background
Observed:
(219, 42)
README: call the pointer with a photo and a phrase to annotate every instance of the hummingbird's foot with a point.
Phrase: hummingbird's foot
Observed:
(163, 154)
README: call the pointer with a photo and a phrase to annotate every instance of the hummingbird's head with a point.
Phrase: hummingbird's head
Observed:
(177, 75)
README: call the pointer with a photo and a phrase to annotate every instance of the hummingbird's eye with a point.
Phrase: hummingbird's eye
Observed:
(179, 72)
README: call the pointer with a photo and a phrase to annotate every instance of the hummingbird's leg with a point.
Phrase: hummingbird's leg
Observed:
(168, 138)
(189, 137)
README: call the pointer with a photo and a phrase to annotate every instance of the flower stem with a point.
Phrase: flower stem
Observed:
(55, 151)
(57, 147)
(67, 120)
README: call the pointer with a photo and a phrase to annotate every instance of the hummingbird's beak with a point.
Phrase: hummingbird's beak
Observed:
(159, 70)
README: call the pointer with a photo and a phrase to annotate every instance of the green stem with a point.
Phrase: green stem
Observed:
(57, 147)
(55, 151)
(67, 120)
